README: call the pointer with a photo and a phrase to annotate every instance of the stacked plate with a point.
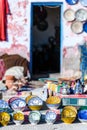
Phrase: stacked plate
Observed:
(81, 15)
(77, 27)
(83, 2)
(69, 15)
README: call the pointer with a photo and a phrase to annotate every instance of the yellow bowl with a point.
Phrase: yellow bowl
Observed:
(53, 100)
(38, 107)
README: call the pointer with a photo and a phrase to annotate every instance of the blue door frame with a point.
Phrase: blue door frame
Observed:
(61, 28)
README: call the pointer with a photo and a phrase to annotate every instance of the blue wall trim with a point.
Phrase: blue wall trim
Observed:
(53, 3)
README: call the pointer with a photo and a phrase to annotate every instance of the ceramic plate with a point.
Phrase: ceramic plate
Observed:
(83, 2)
(35, 101)
(81, 15)
(77, 27)
(72, 2)
(69, 15)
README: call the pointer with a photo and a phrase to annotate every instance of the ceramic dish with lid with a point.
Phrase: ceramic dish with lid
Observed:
(81, 15)
(72, 2)
(83, 2)
(69, 15)
(77, 27)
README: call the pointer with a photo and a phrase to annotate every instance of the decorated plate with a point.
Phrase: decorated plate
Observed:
(35, 101)
(77, 27)
(50, 117)
(85, 27)
(34, 117)
(83, 2)
(81, 15)
(69, 15)
(72, 2)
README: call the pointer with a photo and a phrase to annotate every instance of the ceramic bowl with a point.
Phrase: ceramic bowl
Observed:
(34, 117)
(35, 103)
(50, 117)
(4, 118)
(18, 104)
(4, 106)
(82, 114)
(53, 102)
(18, 117)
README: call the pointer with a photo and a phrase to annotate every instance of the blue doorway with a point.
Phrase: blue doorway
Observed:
(46, 38)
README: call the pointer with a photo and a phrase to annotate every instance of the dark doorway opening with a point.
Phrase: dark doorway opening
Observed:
(46, 39)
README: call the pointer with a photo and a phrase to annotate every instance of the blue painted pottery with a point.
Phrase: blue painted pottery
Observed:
(4, 106)
(50, 117)
(18, 104)
(72, 2)
(85, 27)
(82, 114)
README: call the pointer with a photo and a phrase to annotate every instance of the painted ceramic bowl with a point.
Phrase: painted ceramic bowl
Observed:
(18, 117)
(50, 117)
(53, 102)
(28, 98)
(72, 2)
(68, 115)
(18, 104)
(34, 117)
(35, 103)
(82, 114)
(4, 106)
(4, 118)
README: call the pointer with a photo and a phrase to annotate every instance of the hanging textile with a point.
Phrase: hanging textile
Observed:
(4, 10)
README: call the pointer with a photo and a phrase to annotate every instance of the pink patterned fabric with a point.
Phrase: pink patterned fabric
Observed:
(2, 69)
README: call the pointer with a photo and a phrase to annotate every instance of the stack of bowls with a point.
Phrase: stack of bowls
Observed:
(68, 114)
(35, 103)
(53, 102)
(17, 104)
(82, 114)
